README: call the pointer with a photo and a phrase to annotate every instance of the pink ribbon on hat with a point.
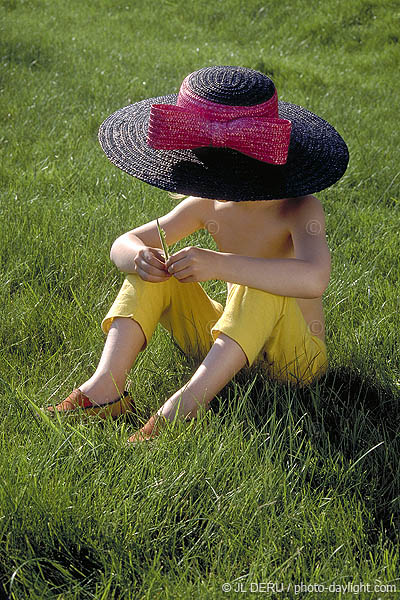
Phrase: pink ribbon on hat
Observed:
(195, 122)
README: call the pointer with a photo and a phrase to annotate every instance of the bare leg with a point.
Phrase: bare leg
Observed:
(222, 362)
(124, 341)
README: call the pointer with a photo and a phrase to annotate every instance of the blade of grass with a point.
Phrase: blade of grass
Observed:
(163, 240)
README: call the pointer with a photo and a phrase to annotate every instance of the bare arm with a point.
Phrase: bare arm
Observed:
(306, 276)
(131, 255)
(139, 250)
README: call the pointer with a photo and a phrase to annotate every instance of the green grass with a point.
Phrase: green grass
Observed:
(275, 484)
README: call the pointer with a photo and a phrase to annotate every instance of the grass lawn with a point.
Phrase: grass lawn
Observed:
(274, 484)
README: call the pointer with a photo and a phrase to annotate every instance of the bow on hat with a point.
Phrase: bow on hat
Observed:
(266, 138)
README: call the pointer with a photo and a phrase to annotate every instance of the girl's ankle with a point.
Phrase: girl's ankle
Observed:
(101, 393)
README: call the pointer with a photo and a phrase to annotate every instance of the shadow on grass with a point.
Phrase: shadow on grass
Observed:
(352, 423)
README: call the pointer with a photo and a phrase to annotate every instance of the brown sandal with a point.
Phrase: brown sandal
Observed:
(77, 401)
(150, 431)
(153, 428)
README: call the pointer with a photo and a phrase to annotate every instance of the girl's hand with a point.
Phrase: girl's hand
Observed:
(150, 265)
(192, 264)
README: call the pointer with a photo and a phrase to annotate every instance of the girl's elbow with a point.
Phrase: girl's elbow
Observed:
(114, 249)
(319, 284)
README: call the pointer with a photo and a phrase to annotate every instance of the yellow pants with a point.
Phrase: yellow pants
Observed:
(268, 328)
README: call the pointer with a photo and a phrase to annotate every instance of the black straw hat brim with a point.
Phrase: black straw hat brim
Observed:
(317, 158)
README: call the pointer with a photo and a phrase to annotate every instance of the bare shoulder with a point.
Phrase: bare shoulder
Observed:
(199, 208)
(304, 207)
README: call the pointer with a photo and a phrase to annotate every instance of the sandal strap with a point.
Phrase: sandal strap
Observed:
(78, 398)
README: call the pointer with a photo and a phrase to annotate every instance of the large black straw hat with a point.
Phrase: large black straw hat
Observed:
(315, 158)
